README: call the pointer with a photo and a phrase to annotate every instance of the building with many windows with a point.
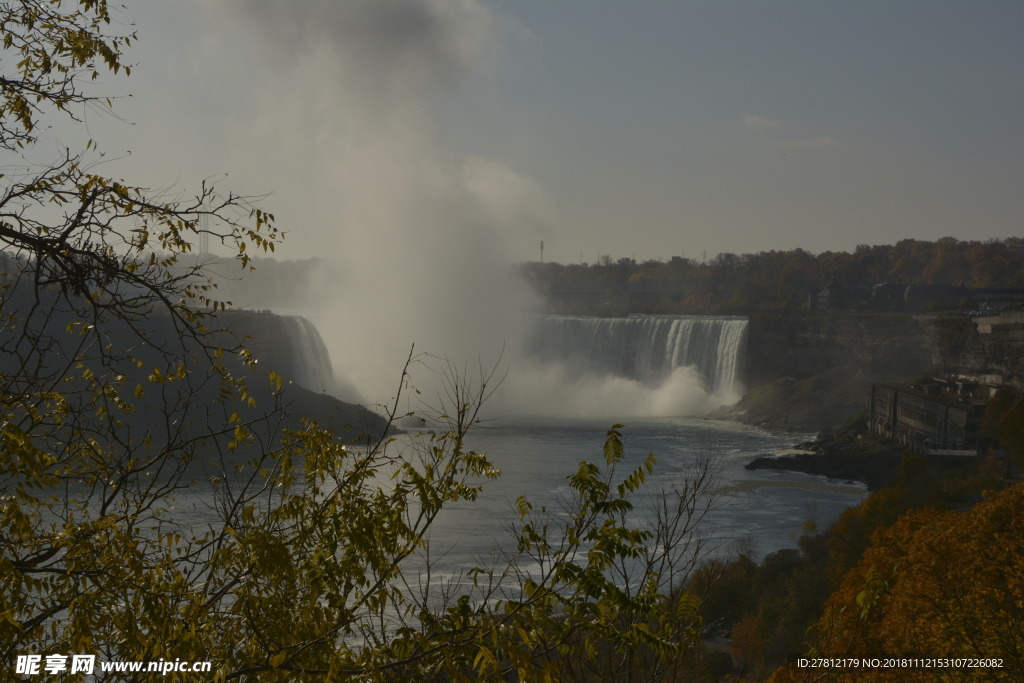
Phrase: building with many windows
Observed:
(941, 417)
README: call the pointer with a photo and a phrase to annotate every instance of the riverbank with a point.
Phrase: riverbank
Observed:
(849, 452)
(811, 404)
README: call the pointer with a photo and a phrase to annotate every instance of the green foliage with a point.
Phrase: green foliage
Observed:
(590, 595)
(53, 46)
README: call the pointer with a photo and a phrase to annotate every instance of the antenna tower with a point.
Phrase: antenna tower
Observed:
(204, 234)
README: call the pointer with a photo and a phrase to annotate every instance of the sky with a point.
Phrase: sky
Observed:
(646, 129)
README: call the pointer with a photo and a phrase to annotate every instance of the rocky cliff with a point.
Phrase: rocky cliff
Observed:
(811, 371)
(802, 345)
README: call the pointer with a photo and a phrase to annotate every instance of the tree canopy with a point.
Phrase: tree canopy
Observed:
(937, 582)
(741, 284)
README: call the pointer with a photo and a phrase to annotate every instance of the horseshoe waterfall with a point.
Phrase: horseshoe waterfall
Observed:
(645, 348)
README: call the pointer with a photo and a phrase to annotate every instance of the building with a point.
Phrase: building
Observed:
(940, 417)
(838, 297)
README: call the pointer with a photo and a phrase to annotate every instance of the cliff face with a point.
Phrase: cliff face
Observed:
(884, 347)
(993, 345)
(297, 354)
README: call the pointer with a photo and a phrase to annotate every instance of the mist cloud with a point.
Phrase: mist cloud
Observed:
(383, 52)
(341, 117)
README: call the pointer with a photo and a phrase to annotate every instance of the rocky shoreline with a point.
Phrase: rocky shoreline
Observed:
(811, 404)
(874, 471)
(848, 453)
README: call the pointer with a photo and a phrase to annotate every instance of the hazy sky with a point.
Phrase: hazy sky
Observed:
(646, 128)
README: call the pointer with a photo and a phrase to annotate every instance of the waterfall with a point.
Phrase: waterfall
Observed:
(645, 348)
(309, 362)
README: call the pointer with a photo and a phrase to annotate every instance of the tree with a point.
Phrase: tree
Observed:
(120, 398)
(102, 328)
(938, 582)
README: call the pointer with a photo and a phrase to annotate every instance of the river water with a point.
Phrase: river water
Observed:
(764, 510)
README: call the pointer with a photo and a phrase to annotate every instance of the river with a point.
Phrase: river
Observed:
(759, 510)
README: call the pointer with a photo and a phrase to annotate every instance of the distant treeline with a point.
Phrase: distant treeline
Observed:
(739, 284)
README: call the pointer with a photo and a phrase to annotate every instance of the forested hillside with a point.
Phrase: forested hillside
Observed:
(737, 284)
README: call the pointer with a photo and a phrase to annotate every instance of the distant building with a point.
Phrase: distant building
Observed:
(1015, 319)
(937, 297)
(838, 297)
(940, 417)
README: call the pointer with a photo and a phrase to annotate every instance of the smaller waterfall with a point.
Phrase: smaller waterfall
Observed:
(309, 364)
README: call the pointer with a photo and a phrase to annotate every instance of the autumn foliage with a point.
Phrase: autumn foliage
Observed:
(937, 584)
(740, 283)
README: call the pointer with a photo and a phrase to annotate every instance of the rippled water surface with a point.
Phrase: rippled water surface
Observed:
(765, 509)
